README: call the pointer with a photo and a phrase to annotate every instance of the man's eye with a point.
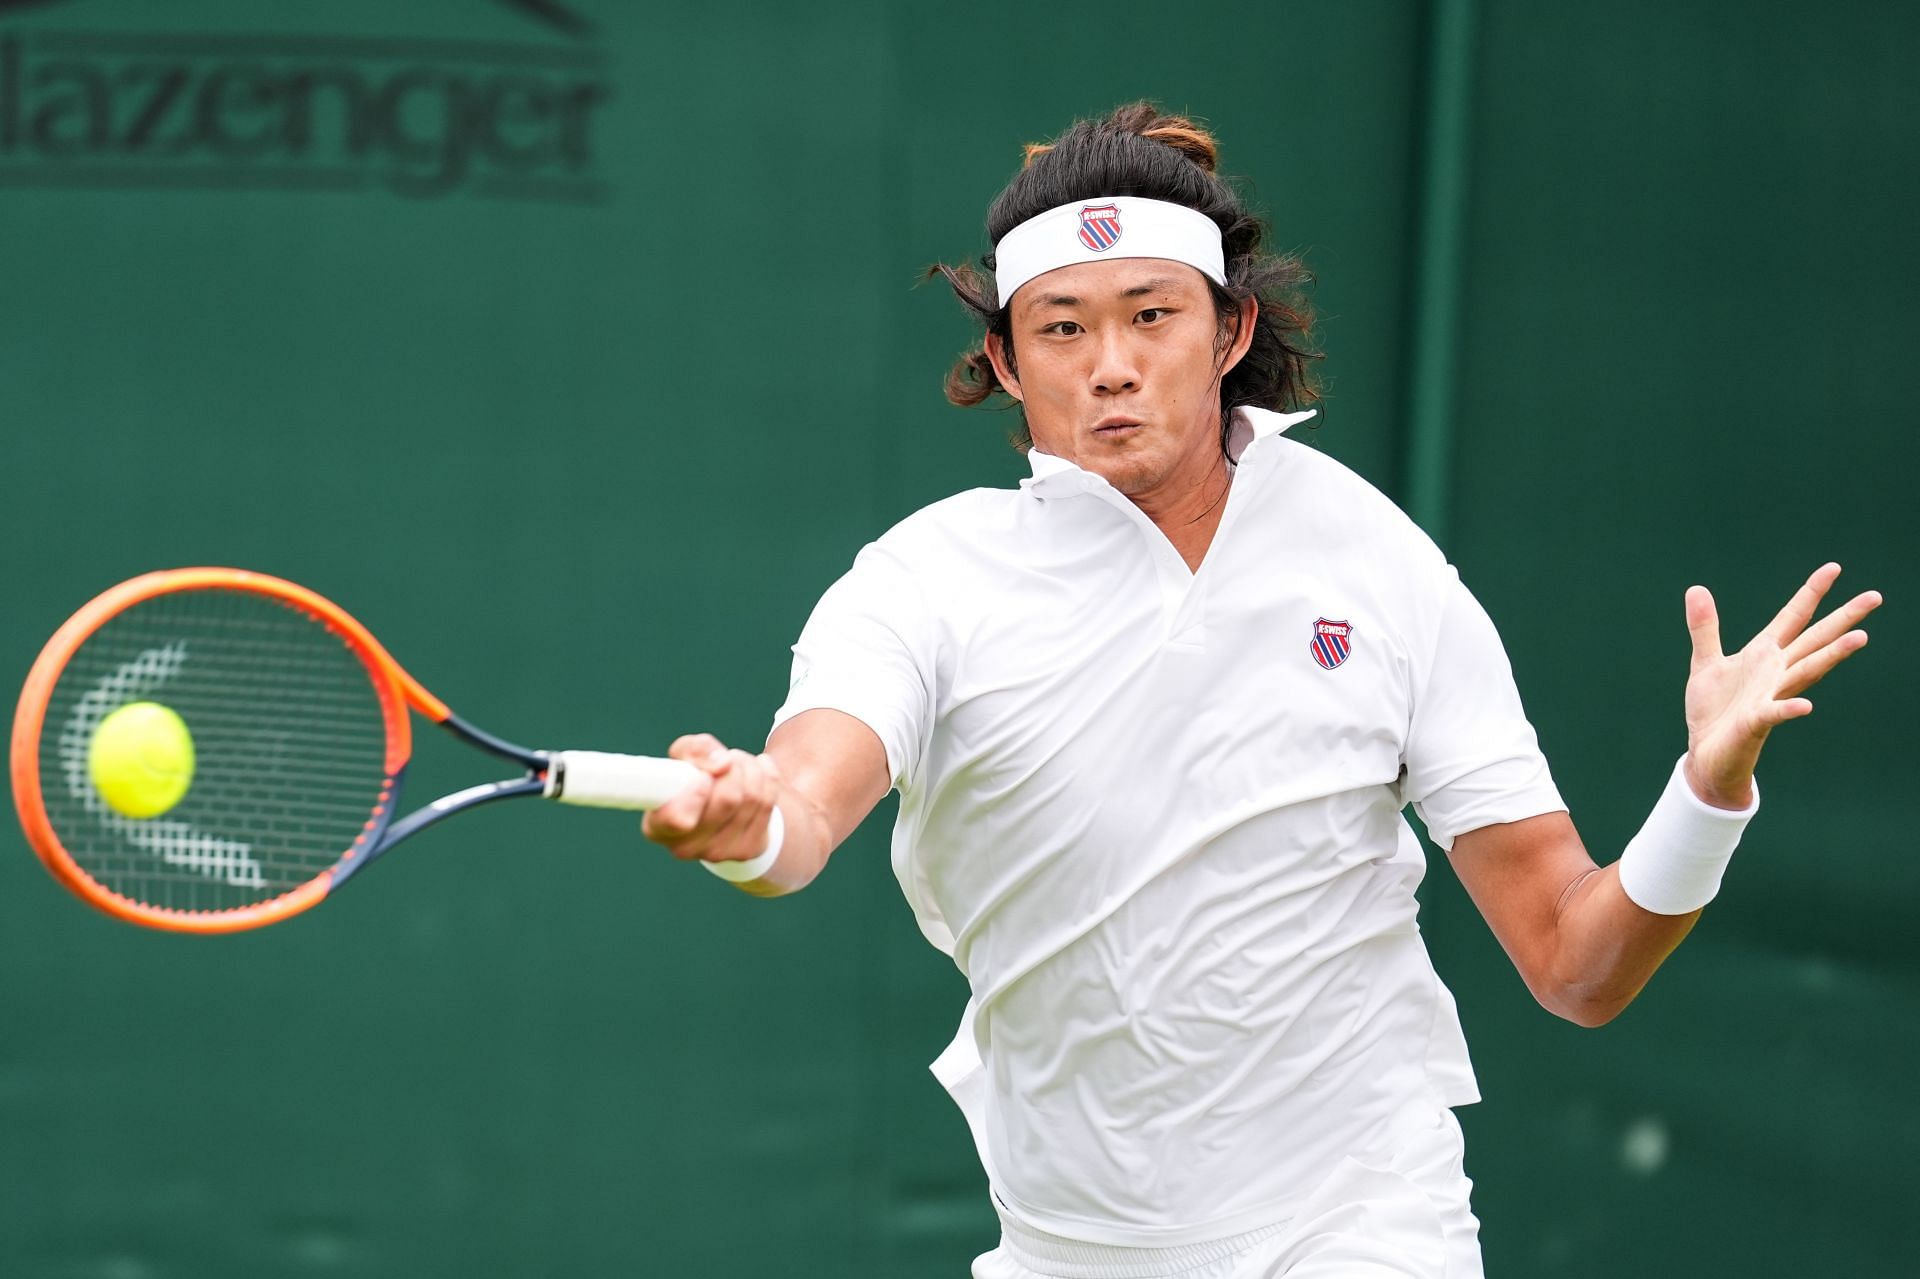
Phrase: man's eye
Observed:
(1152, 314)
(1065, 328)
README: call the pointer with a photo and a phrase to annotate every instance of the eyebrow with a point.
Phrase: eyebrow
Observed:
(1156, 285)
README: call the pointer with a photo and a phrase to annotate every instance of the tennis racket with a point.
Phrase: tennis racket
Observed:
(300, 730)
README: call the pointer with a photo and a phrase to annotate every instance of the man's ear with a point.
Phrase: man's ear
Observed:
(1003, 365)
(1242, 335)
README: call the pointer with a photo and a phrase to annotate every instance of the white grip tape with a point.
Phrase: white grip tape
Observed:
(1673, 866)
(598, 779)
(741, 872)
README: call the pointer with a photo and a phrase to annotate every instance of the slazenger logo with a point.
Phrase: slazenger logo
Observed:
(213, 109)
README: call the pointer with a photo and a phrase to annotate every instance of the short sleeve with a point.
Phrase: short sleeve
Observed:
(868, 651)
(1472, 759)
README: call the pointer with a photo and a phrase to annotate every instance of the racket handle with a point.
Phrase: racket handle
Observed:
(599, 779)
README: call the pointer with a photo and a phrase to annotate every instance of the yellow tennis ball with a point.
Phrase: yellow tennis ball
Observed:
(141, 759)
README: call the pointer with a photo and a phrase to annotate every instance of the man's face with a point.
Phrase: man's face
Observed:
(1120, 366)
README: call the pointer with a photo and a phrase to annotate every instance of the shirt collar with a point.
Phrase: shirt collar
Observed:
(1250, 426)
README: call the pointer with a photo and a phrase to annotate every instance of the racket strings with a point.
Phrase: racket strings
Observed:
(289, 744)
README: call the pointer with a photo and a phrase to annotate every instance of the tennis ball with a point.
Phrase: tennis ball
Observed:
(141, 759)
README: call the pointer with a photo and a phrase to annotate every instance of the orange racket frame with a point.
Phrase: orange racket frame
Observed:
(597, 780)
(396, 690)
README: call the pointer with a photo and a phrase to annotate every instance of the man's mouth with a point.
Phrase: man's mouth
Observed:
(1111, 426)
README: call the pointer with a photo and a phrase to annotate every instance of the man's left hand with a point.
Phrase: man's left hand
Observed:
(1735, 699)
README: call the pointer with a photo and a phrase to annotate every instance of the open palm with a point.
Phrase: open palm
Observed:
(1735, 699)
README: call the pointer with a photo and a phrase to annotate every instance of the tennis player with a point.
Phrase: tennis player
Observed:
(1154, 717)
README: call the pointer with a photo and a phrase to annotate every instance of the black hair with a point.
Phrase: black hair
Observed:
(1139, 151)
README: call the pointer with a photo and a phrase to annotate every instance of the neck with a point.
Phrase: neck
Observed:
(1187, 511)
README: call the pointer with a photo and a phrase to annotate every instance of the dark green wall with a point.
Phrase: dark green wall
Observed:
(583, 435)
(1687, 323)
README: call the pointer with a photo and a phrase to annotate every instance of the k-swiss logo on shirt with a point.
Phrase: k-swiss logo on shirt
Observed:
(1100, 226)
(1332, 641)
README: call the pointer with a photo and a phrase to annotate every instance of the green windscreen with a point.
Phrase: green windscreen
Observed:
(576, 348)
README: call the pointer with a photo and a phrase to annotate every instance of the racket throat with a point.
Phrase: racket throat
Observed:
(439, 810)
(533, 761)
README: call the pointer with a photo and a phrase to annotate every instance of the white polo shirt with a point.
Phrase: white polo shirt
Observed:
(1155, 818)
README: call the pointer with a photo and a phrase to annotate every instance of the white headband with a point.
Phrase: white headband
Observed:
(1110, 227)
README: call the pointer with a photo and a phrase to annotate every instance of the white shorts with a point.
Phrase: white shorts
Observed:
(1408, 1219)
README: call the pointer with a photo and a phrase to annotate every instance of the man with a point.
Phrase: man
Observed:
(1154, 718)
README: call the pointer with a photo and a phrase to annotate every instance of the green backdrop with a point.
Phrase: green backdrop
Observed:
(577, 347)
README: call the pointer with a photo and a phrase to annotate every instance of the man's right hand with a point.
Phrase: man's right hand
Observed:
(824, 769)
(724, 814)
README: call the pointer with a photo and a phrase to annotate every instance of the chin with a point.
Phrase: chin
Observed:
(1129, 475)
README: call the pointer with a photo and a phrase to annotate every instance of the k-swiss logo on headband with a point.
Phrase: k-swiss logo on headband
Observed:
(1332, 641)
(1100, 226)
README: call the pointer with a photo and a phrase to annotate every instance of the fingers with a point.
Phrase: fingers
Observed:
(1832, 640)
(1777, 713)
(679, 817)
(1703, 623)
(677, 820)
(694, 747)
(1793, 619)
(1834, 625)
(746, 797)
(1810, 670)
(1734, 702)
(723, 815)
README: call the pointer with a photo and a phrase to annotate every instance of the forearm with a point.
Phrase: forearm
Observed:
(1613, 927)
(1605, 949)
(1585, 938)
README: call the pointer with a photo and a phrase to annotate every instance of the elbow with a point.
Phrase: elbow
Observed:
(1587, 1009)
(1590, 1016)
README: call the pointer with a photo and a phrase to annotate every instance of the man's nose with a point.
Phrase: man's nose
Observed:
(1114, 368)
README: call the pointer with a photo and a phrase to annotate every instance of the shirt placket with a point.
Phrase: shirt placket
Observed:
(1187, 615)
(1175, 580)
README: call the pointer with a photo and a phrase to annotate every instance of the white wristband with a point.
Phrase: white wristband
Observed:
(741, 872)
(1673, 866)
